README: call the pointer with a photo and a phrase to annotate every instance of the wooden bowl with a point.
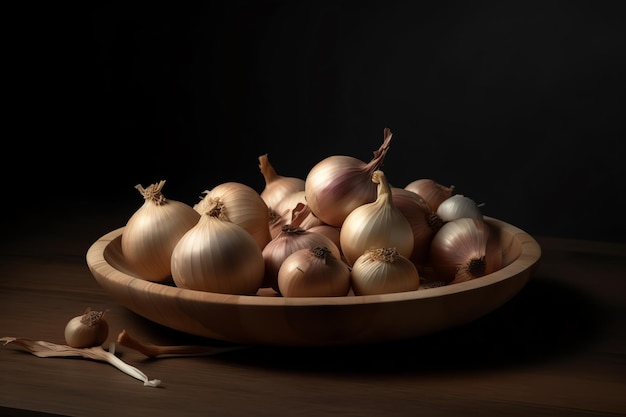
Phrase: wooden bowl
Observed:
(316, 321)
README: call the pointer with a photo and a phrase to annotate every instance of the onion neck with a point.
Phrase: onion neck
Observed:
(379, 154)
(267, 170)
(384, 189)
(153, 192)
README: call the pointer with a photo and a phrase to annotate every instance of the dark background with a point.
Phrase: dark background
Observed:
(519, 105)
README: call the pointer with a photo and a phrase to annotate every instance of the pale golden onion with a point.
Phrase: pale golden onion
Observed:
(338, 184)
(313, 272)
(431, 191)
(461, 250)
(377, 224)
(218, 256)
(243, 206)
(153, 231)
(277, 186)
(383, 271)
(424, 222)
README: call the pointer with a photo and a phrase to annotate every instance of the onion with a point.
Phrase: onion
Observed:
(458, 206)
(462, 250)
(87, 330)
(219, 256)
(376, 225)
(383, 271)
(241, 205)
(277, 186)
(431, 191)
(290, 239)
(424, 222)
(338, 184)
(153, 231)
(314, 272)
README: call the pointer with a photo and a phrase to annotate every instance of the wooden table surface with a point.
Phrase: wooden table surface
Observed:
(557, 348)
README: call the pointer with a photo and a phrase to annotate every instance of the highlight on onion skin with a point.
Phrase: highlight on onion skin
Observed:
(462, 250)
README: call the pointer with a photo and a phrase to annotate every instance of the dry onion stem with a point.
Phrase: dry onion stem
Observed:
(43, 349)
(152, 350)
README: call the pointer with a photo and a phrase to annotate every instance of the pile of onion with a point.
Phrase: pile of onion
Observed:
(344, 227)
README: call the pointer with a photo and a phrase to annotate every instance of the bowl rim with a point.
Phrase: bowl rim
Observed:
(530, 253)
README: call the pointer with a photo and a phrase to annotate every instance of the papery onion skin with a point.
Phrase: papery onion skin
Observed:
(314, 272)
(431, 191)
(290, 203)
(277, 187)
(153, 231)
(375, 225)
(218, 256)
(243, 206)
(383, 271)
(460, 251)
(339, 183)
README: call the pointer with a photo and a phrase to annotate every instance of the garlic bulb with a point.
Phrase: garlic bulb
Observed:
(458, 206)
(218, 256)
(277, 186)
(290, 239)
(313, 272)
(383, 271)
(377, 224)
(461, 251)
(90, 329)
(243, 206)
(424, 222)
(152, 232)
(338, 184)
(431, 191)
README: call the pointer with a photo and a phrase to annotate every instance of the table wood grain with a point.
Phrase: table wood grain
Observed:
(557, 348)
